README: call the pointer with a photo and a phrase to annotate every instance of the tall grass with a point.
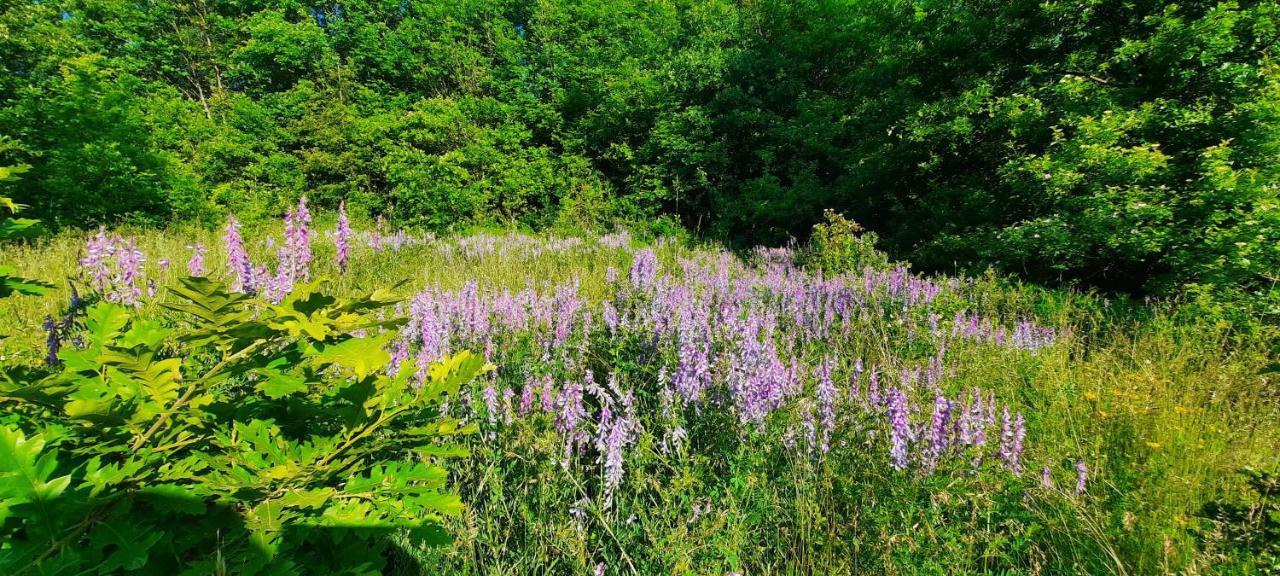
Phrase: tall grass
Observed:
(1161, 405)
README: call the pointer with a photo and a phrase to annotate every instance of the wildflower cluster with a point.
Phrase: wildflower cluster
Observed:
(703, 335)
(112, 268)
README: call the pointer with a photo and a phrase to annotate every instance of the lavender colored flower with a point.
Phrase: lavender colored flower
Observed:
(96, 263)
(1046, 478)
(125, 289)
(238, 258)
(644, 269)
(527, 393)
(295, 254)
(491, 404)
(1012, 432)
(399, 355)
(939, 429)
(342, 237)
(810, 429)
(612, 434)
(548, 395)
(1019, 436)
(826, 396)
(195, 266)
(569, 413)
(508, 407)
(856, 381)
(900, 428)
(693, 370)
(873, 390)
(1082, 476)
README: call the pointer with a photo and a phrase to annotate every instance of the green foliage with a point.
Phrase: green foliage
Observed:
(13, 228)
(249, 438)
(839, 244)
(1127, 146)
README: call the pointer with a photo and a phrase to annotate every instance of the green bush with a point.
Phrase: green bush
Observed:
(250, 438)
(839, 244)
(13, 228)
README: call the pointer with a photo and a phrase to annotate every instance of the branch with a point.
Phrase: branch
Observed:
(191, 390)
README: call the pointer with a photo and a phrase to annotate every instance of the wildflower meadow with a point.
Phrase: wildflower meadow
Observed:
(324, 395)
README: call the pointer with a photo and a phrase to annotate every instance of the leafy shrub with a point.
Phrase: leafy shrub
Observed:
(250, 438)
(839, 244)
(11, 228)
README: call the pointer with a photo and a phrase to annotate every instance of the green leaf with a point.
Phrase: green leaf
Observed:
(265, 522)
(173, 498)
(279, 385)
(105, 321)
(310, 499)
(361, 355)
(128, 545)
(26, 474)
(16, 285)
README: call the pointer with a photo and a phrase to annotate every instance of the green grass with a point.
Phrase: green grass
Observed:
(1164, 405)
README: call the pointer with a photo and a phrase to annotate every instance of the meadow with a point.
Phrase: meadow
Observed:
(666, 406)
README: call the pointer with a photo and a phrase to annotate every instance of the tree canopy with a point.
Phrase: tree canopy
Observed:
(1132, 145)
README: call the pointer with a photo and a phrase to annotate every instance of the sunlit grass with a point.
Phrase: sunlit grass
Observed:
(1163, 406)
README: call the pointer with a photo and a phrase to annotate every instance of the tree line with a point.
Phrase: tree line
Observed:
(1127, 145)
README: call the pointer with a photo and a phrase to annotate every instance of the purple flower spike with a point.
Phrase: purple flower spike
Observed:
(939, 429)
(53, 342)
(900, 433)
(195, 266)
(342, 237)
(826, 396)
(238, 258)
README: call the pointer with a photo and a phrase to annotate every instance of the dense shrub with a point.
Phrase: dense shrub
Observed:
(839, 244)
(1130, 146)
(249, 438)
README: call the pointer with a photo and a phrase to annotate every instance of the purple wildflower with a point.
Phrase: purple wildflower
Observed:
(569, 412)
(939, 429)
(612, 433)
(1012, 432)
(53, 342)
(399, 355)
(526, 398)
(195, 266)
(900, 434)
(238, 258)
(1082, 476)
(295, 255)
(98, 250)
(826, 396)
(548, 395)
(342, 237)
(644, 269)
(491, 404)
(129, 261)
